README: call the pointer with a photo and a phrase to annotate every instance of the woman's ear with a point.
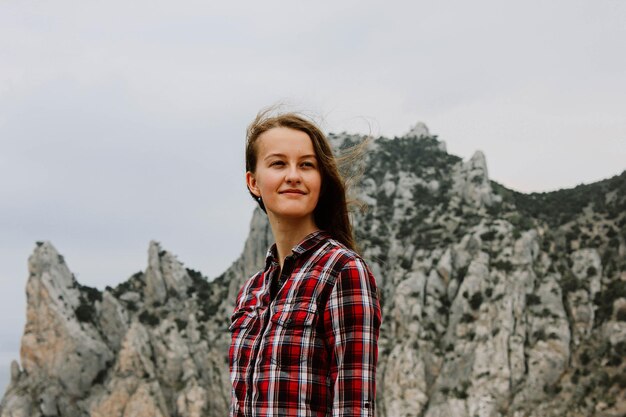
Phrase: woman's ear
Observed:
(251, 183)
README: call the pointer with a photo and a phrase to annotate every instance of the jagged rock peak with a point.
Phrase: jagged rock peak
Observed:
(62, 351)
(471, 182)
(165, 274)
(46, 258)
(418, 130)
(477, 168)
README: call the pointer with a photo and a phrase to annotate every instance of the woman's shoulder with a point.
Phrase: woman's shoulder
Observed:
(345, 256)
(251, 284)
(351, 270)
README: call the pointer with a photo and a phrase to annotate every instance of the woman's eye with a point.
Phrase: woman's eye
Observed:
(308, 164)
(276, 163)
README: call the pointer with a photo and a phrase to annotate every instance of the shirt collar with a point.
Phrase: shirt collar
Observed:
(310, 241)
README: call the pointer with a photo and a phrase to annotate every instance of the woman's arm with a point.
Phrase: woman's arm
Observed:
(352, 318)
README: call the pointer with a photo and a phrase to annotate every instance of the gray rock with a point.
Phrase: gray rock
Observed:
(488, 309)
(418, 130)
(471, 182)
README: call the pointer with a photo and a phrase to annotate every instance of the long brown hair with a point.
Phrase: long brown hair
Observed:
(331, 212)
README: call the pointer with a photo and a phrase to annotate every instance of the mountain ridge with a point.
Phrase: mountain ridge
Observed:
(499, 303)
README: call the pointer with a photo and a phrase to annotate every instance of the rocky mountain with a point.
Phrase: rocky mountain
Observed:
(495, 303)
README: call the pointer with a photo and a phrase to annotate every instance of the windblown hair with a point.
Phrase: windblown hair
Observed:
(331, 212)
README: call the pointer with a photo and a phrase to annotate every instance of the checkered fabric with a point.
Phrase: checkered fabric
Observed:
(312, 350)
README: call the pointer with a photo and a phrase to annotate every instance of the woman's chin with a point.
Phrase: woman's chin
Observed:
(294, 214)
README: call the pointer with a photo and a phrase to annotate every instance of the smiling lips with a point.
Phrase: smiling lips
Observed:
(292, 191)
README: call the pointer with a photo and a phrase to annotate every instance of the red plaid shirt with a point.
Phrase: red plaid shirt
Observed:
(312, 351)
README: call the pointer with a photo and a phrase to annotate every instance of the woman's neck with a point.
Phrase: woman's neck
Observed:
(289, 233)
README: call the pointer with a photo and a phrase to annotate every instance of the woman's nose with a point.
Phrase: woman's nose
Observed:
(293, 174)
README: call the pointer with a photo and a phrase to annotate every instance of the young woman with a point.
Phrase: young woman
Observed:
(305, 328)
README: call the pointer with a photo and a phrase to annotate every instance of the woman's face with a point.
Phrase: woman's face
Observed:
(287, 175)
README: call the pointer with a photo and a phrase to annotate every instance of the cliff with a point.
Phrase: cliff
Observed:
(495, 303)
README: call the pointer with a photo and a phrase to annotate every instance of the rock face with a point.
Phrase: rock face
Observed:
(495, 303)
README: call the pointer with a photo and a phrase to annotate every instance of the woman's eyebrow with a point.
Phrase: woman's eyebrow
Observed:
(274, 155)
(281, 155)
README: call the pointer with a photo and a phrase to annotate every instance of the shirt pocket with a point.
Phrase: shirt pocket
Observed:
(241, 319)
(242, 322)
(293, 338)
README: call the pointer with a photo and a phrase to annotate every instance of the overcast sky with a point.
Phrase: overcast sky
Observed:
(122, 122)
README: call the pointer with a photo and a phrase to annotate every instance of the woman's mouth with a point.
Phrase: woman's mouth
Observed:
(292, 191)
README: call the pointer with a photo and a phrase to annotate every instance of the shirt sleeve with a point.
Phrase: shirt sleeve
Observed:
(352, 317)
